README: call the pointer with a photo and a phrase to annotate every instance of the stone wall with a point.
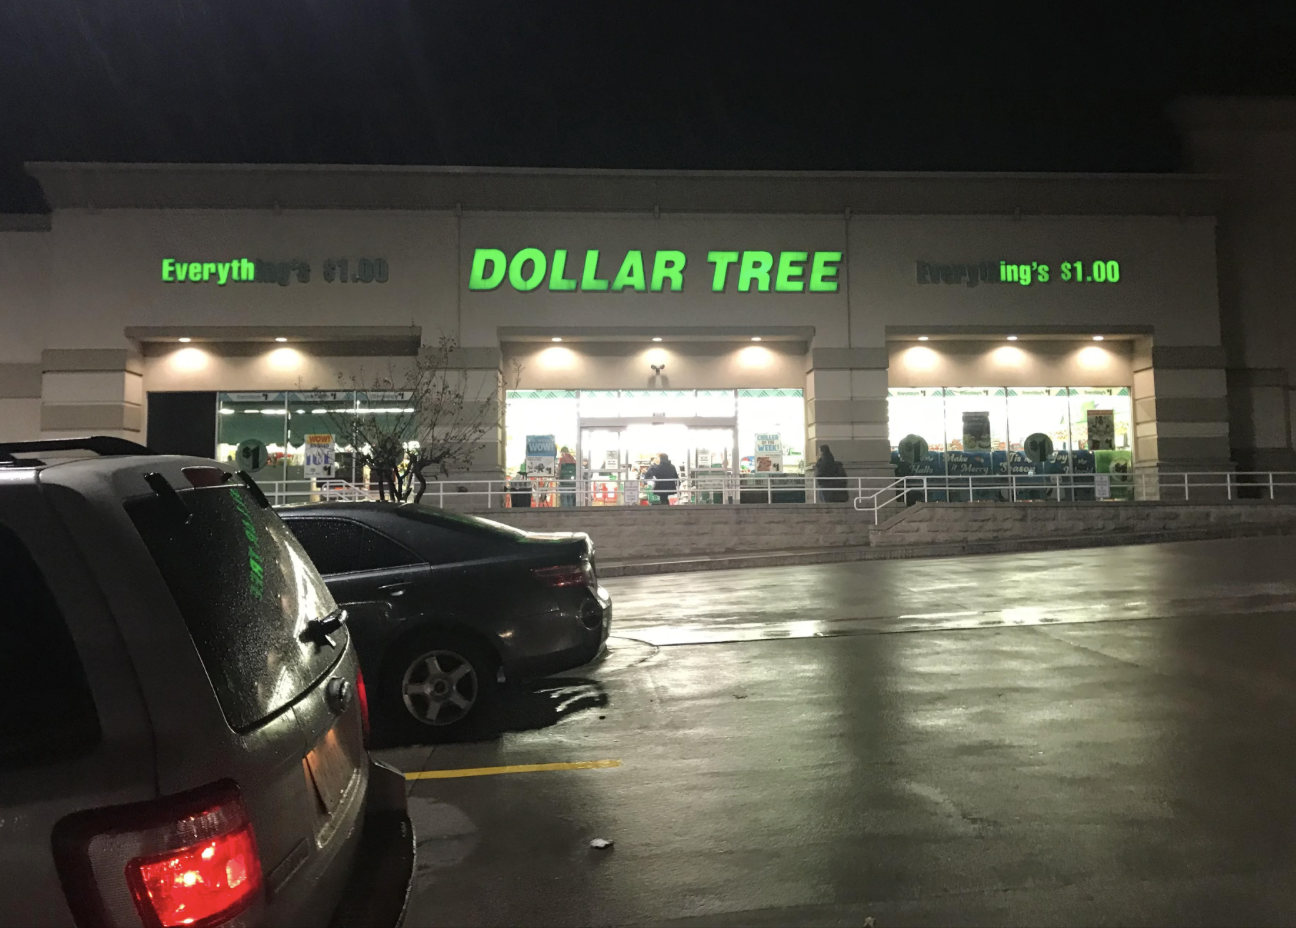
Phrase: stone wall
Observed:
(962, 523)
(629, 532)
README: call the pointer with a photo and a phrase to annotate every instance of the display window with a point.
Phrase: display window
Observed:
(936, 429)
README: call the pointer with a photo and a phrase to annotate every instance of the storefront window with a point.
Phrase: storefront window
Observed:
(626, 432)
(261, 417)
(1007, 419)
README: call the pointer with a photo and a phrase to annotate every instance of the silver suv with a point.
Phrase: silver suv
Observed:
(182, 716)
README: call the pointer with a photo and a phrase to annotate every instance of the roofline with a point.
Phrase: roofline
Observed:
(90, 185)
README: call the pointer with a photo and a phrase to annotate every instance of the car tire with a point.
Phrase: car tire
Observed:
(436, 687)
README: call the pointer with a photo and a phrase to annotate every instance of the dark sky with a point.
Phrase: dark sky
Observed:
(703, 84)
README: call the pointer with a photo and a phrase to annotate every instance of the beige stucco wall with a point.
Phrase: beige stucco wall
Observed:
(97, 273)
(1011, 364)
(626, 366)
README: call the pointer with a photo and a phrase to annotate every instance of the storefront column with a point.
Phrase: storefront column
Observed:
(1181, 420)
(92, 391)
(20, 404)
(481, 368)
(846, 409)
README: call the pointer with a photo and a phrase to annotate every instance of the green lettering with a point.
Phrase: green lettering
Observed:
(721, 260)
(668, 264)
(823, 271)
(168, 269)
(790, 268)
(589, 280)
(209, 269)
(195, 272)
(538, 267)
(755, 266)
(556, 279)
(631, 273)
(479, 279)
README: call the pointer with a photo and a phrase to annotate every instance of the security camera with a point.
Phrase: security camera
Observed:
(657, 368)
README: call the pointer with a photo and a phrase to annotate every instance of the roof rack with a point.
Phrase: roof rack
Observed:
(102, 445)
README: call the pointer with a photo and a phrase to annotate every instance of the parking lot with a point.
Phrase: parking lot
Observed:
(1098, 736)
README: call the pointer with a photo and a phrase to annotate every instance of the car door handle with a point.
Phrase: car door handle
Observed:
(395, 589)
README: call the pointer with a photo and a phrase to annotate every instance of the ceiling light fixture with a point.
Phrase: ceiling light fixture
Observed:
(185, 339)
(922, 338)
(281, 339)
(1012, 338)
(756, 338)
(656, 338)
(1098, 338)
(555, 339)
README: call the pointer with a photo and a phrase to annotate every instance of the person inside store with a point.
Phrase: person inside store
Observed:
(665, 479)
(566, 476)
(830, 476)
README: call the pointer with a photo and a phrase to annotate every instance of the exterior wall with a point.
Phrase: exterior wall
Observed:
(626, 365)
(1252, 144)
(98, 325)
(1020, 364)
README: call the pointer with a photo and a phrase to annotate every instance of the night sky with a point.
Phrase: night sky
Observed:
(899, 86)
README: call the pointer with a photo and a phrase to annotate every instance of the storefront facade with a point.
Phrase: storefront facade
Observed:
(712, 316)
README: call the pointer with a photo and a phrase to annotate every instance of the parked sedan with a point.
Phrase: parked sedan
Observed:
(443, 605)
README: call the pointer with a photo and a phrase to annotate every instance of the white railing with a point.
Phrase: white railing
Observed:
(1215, 485)
(873, 495)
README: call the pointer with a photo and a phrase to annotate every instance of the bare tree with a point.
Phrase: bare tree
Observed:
(424, 420)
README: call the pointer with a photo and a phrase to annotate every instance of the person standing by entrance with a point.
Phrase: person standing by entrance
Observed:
(665, 479)
(830, 474)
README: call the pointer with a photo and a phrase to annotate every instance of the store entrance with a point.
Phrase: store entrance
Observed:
(615, 454)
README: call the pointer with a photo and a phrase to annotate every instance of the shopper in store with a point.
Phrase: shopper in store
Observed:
(665, 479)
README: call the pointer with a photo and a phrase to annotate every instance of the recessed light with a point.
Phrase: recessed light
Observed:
(185, 339)
(1098, 338)
(1012, 338)
(656, 338)
(281, 339)
(555, 339)
(755, 338)
(922, 338)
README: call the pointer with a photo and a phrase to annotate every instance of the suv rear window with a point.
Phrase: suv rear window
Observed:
(49, 713)
(246, 590)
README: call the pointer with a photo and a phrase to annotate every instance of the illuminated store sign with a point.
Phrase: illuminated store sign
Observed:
(255, 270)
(761, 271)
(1019, 272)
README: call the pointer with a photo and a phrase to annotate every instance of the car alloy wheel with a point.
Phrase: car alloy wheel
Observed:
(439, 687)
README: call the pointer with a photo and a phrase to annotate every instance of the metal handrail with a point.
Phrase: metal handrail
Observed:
(873, 495)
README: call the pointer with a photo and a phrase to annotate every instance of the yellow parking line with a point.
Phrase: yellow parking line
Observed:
(515, 768)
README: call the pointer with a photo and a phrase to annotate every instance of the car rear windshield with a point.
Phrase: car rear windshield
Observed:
(246, 590)
(482, 528)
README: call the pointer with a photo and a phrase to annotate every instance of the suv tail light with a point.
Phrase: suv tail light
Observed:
(362, 696)
(581, 574)
(189, 859)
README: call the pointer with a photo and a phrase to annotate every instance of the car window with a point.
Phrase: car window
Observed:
(443, 545)
(247, 590)
(340, 546)
(49, 712)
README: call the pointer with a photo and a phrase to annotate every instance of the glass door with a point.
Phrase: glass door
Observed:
(603, 465)
(711, 462)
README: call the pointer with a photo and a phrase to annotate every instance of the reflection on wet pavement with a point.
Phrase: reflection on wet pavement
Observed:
(1071, 738)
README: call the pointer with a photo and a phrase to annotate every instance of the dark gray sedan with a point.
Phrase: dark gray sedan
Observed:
(443, 605)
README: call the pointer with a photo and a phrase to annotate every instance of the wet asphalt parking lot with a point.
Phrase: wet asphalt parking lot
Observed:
(1082, 737)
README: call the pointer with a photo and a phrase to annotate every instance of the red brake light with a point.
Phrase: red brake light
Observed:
(362, 696)
(566, 575)
(189, 859)
(201, 884)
